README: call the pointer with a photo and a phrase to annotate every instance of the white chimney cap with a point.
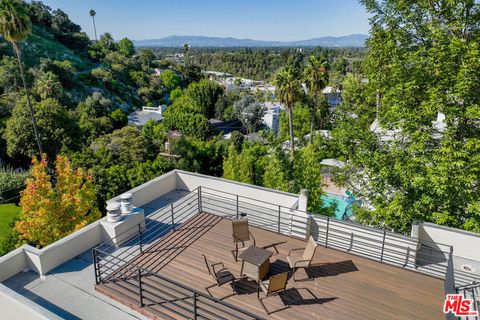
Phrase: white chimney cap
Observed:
(126, 196)
(113, 206)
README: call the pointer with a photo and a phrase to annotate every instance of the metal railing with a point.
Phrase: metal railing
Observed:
(373, 243)
(115, 264)
(113, 261)
(470, 291)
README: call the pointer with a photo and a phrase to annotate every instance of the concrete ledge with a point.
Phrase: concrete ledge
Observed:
(16, 306)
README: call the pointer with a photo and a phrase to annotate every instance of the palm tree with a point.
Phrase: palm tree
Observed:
(48, 86)
(92, 14)
(15, 27)
(316, 79)
(186, 48)
(288, 92)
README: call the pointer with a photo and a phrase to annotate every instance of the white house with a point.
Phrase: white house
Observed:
(139, 118)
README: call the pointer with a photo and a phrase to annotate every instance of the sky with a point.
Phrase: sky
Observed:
(276, 20)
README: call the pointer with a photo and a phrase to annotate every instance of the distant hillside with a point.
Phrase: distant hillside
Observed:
(354, 40)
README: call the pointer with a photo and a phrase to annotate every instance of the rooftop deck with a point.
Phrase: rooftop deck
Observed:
(345, 286)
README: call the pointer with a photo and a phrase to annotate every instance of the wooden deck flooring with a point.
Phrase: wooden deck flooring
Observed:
(344, 287)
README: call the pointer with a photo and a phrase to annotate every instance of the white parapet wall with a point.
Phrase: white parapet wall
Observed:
(465, 244)
(152, 189)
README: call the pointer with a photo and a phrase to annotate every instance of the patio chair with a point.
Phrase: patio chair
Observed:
(273, 286)
(220, 274)
(305, 259)
(242, 234)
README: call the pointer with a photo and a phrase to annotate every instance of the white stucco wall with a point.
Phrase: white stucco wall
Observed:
(152, 189)
(12, 263)
(465, 244)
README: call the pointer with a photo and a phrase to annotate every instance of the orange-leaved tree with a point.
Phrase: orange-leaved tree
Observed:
(53, 208)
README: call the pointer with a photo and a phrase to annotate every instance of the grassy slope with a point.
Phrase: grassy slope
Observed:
(8, 212)
(37, 47)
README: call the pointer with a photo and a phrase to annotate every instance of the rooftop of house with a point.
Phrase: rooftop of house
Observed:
(181, 215)
(140, 117)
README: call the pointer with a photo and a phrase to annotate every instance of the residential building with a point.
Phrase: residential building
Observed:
(140, 117)
(147, 261)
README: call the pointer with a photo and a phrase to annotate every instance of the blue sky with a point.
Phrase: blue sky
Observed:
(281, 20)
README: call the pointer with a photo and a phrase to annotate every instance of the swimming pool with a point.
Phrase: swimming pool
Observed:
(344, 204)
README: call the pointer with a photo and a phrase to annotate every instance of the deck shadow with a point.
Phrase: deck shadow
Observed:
(330, 269)
(292, 296)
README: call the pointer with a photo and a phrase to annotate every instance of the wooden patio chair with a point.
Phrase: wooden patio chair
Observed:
(305, 259)
(273, 286)
(242, 234)
(220, 274)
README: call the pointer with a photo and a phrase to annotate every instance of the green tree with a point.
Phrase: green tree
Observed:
(146, 55)
(422, 60)
(316, 79)
(124, 146)
(288, 92)
(119, 117)
(57, 126)
(126, 47)
(301, 121)
(93, 119)
(15, 27)
(174, 94)
(170, 80)
(190, 124)
(204, 95)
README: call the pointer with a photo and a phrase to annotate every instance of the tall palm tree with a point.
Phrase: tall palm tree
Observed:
(186, 48)
(316, 79)
(92, 14)
(15, 27)
(288, 92)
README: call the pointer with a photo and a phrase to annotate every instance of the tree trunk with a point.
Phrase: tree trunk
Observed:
(290, 125)
(312, 122)
(18, 53)
(94, 28)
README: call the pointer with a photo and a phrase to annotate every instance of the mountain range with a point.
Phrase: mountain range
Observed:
(354, 40)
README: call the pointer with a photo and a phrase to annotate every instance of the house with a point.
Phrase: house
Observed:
(439, 125)
(140, 117)
(144, 260)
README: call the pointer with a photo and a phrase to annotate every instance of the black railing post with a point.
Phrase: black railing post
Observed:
(237, 208)
(279, 212)
(383, 244)
(199, 199)
(140, 236)
(194, 305)
(140, 290)
(351, 242)
(326, 236)
(407, 257)
(95, 267)
(173, 216)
